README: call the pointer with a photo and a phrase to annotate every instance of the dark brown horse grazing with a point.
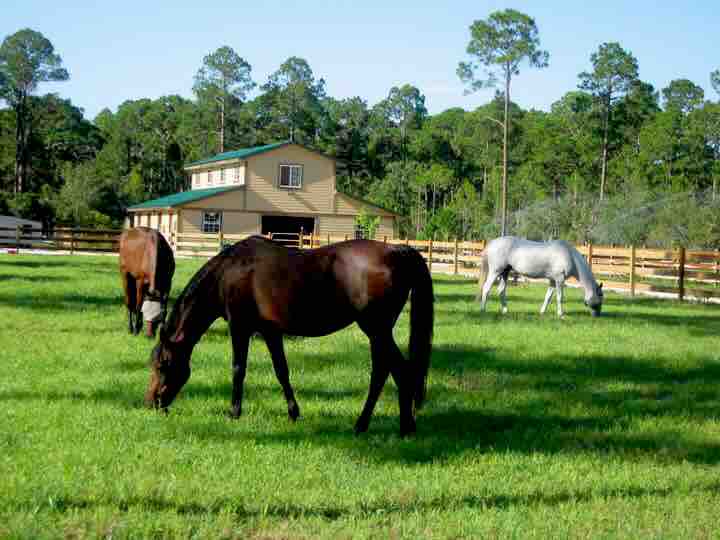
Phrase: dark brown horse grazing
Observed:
(260, 286)
(147, 266)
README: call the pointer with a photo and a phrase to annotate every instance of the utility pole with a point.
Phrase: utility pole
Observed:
(221, 100)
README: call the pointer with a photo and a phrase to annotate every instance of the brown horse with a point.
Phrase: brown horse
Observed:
(147, 266)
(260, 286)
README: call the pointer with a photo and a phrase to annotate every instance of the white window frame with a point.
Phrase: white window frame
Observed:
(211, 222)
(196, 179)
(222, 176)
(298, 170)
(210, 178)
(236, 180)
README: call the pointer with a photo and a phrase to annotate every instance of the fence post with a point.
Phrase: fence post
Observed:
(455, 256)
(430, 255)
(72, 240)
(590, 255)
(328, 239)
(220, 240)
(384, 239)
(681, 274)
(632, 270)
(302, 238)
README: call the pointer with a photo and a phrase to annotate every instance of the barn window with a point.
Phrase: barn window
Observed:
(211, 222)
(196, 179)
(210, 178)
(237, 175)
(222, 176)
(291, 176)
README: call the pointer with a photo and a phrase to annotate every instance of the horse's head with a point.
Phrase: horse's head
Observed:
(594, 300)
(169, 371)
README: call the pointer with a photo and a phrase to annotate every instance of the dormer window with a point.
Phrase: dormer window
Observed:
(291, 176)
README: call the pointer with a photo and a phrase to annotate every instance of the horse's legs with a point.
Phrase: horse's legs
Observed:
(378, 376)
(559, 286)
(274, 343)
(129, 288)
(401, 374)
(139, 297)
(491, 277)
(502, 287)
(548, 297)
(240, 344)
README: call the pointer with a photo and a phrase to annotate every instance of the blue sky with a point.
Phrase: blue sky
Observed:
(131, 49)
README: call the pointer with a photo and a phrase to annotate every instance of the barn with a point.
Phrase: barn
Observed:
(276, 188)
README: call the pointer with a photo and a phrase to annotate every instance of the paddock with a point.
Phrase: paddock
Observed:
(534, 426)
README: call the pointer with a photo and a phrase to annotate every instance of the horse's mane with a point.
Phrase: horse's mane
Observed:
(200, 278)
(188, 294)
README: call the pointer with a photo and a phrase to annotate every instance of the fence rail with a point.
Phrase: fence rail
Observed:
(679, 272)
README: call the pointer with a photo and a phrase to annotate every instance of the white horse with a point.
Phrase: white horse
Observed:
(556, 260)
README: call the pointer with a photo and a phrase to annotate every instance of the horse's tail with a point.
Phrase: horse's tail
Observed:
(482, 275)
(421, 325)
(152, 249)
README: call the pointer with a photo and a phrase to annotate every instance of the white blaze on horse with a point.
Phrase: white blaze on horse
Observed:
(556, 260)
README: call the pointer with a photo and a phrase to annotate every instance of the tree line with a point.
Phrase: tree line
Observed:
(613, 160)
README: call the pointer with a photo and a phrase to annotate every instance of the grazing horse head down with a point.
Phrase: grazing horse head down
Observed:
(261, 287)
(147, 266)
(556, 260)
(594, 299)
(170, 370)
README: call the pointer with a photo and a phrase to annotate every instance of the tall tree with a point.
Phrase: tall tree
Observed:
(500, 44)
(223, 78)
(27, 58)
(614, 71)
(404, 109)
(293, 100)
(683, 95)
(715, 80)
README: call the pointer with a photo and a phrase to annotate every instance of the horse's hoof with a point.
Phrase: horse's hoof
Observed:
(361, 426)
(293, 411)
(234, 413)
(408, 431)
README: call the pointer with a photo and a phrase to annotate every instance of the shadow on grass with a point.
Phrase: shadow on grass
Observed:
(9, 278)
(61, 301)
(386, 505)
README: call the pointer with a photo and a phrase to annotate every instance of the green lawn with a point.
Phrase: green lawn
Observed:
(534, 427)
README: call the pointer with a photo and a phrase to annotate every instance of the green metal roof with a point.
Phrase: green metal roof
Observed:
(181, 198)
(238, 154)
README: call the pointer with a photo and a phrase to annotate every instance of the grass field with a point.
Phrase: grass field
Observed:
(535, 427)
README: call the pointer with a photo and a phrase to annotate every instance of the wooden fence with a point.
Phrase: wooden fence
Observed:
(60, 239)
(678, 272)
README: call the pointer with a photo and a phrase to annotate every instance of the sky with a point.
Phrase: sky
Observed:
(116, 51)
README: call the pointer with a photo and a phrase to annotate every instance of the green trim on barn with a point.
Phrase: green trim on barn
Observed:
(243, 153)
(184, 197)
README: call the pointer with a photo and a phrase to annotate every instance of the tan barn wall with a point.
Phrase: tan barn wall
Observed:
(230, 200)
(336, 226)
(190, 221)
(318, 182)
(234, 175)
(241, 223)
(233, 222)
